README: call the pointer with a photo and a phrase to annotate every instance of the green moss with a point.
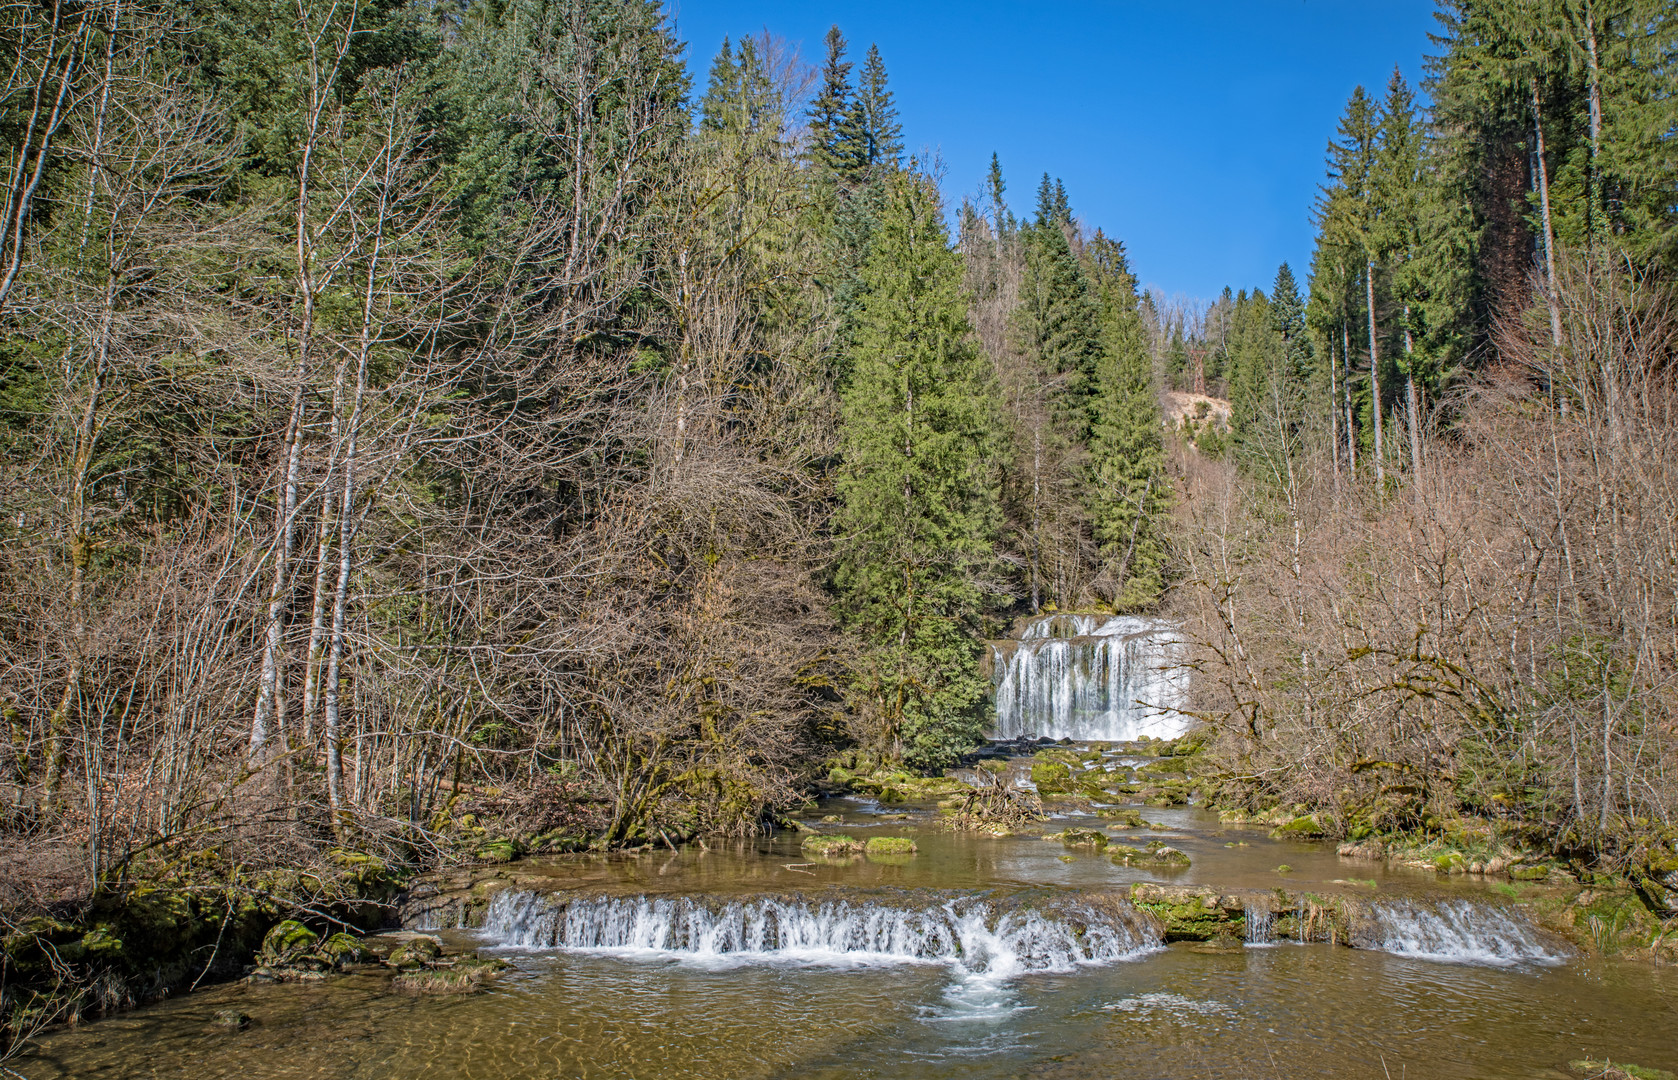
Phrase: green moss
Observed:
(1302, 827)
(1606, 1070)
(1087, 838)
(890, 845)
(832, 844)
(1051, 775)
(414, 953)
(286, 943)
(1122, 817)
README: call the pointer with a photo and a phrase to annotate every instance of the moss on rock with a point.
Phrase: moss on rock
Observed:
(890, 845)
(832, 844)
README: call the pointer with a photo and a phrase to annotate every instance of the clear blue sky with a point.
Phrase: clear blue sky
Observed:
(1193, 130)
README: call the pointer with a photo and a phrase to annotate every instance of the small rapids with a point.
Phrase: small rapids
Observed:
(1457, 932)
(969, 934)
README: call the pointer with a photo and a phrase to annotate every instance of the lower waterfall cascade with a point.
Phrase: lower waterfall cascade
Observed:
(965, 932)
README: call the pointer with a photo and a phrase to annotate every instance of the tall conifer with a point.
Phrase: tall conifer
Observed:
(918, 495)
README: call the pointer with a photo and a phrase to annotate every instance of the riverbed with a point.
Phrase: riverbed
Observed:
(975, 957)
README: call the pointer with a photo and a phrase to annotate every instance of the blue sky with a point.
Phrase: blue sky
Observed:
(1193, 130)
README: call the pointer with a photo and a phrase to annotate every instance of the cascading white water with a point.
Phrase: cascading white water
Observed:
(1457, 931)
(1104, 677)
(1259, 925)
(969, 934)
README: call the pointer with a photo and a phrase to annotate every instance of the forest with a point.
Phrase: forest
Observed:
(441, 428)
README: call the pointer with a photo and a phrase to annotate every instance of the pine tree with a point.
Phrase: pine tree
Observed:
(1353, 167)
(1130, 495)
(1287, 318)
(1397, 183)
(1057, 333)
(836, 142)
(876, 116)
(1058, 321)
(918, 495)
(739, 97)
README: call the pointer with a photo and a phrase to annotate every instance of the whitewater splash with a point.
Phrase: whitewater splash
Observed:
(1457, 932)
(1103, 677)
(969, 934)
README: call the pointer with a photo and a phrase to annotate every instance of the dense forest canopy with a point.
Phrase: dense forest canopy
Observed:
(423, 417)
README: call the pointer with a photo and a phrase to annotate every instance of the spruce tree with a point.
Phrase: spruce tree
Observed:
(1058, 321)
(876, 116)
(918, 494)
(836, 143)
(1130, 495)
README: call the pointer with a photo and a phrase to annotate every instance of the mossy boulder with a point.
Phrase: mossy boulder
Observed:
(1301, 827)
(1122, 817)
(416, 952)
(1084, 838)
(341, 949)
(500, 851)
(832, 844)
(286, 944)
(1156, 853)
(890, 845)
(1051, 776)
(1530, 872)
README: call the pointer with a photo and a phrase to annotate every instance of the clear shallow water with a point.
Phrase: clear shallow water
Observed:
(1291, 1011)
(981, 991)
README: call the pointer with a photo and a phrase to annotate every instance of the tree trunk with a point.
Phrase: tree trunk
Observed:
(1346, 390)
(1412, 405)
(1374, 376)
(1543, 173)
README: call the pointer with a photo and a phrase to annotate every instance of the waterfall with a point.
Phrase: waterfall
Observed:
(1259, 924)
(1104, 677)
(1456, 931)
(967, 933)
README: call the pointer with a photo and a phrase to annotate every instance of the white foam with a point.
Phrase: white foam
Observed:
(987, 948)
(1459, 932)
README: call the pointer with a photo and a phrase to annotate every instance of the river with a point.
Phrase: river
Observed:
(976, 957)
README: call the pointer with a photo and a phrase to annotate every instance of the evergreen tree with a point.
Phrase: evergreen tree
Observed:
(739, 97)
(1058, 321)
(1287, 319)
(876, 116)
(918, 495)
(836, 142)
(1130, 495)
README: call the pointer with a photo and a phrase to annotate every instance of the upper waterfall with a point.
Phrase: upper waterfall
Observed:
(1103, 677)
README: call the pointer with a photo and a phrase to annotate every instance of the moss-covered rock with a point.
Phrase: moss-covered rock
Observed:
(1084, 838)
(416, 952)
(832, 844)
(890, 845)
(1607, 1070)
(1156, 853)
(1302, 827)
(287, 943)
(1122, 817)
(1051, 776)
(341, 949)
